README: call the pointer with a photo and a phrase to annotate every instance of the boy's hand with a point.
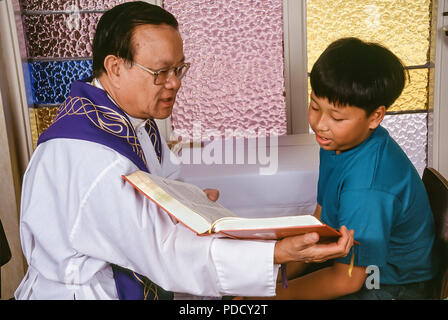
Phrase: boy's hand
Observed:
(305, 248)
(212, 194)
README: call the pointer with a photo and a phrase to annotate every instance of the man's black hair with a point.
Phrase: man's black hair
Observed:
(116, 26)
(357, 73)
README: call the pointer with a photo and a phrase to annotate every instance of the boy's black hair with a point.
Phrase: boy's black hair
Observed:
(357, 73)
(116, 26)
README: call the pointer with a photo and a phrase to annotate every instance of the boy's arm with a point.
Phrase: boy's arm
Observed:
(317, 211)
(293, 270)
(328, 283)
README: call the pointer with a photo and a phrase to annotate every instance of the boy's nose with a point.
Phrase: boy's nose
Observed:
(322, 124)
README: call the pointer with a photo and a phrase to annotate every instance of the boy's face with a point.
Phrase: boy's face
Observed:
(341, 128)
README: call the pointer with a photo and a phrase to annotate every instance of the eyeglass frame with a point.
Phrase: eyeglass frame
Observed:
(170, 70)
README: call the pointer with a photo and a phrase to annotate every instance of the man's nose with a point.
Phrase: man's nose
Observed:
(173, 82)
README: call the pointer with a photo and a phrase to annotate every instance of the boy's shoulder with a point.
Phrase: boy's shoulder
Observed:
(379, 163)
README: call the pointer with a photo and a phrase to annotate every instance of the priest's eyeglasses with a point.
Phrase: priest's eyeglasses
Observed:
(163, 75)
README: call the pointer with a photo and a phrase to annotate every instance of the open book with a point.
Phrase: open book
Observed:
(190, 205)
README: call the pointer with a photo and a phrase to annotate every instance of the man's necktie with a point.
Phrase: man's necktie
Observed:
(133, 286)
(154, 135)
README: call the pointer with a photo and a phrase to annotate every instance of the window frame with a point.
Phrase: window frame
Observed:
(296, 62)
(439, 154)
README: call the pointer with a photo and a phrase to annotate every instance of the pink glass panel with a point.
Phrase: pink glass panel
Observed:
(236, 78)
(410, 131)
(59, 5)
(60, 35)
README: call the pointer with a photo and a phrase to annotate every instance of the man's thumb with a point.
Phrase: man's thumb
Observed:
(311, 238)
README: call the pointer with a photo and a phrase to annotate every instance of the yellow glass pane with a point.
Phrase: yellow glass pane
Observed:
(40, 120)
(414, 95)
(403, 26)
(33, 124)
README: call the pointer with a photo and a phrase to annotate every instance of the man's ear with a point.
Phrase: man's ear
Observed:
(113, 64)
(376, 117)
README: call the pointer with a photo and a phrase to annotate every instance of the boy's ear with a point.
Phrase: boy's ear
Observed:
(376, 117)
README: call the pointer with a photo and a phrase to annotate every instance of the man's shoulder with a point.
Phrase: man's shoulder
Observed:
(61, 146)
(77, 155)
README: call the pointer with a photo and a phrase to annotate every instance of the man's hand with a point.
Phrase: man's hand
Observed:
(212, 194)
(305, 248)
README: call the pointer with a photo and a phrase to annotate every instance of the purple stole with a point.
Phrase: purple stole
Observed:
(88, 114)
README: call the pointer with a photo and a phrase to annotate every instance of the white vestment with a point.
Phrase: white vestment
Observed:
(78, 215)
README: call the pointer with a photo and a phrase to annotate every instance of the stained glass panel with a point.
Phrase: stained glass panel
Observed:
(40, 118)
(59, 5)
(60, 35)
(415, 93)
(51, 80)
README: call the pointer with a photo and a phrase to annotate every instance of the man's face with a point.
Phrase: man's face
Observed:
(338, 128)
(155, 47)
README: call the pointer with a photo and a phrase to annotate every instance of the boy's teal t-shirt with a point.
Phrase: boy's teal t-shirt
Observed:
(375, 190)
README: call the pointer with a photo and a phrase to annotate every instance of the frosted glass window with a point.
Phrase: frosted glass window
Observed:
(402, 26)
(410, 132)
(236, 78)
(59, 5)
(405, 28)
(415, 93)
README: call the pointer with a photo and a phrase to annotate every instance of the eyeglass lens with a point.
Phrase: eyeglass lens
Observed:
(164, 75)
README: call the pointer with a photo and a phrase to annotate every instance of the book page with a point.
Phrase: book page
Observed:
(273, 228)
(263, 223)
(186, 202)
(193, 197)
